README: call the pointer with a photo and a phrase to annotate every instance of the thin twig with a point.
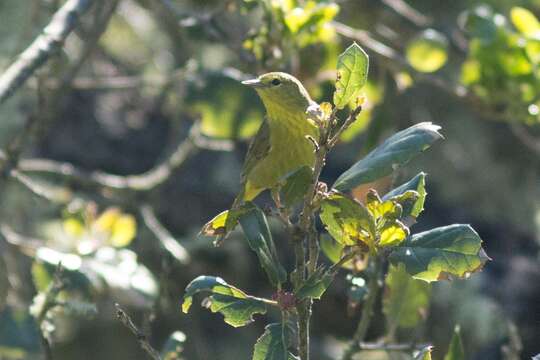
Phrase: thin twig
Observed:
(43, 47)
(408, 12)
(390, 347)
(141, 337)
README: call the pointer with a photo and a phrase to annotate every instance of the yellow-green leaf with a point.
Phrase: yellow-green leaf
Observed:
(525, 21)
(392, 233)
(455, 350)
(123, 231)
(424, 354)
(352, 71)
(273, 344)
(428, 51)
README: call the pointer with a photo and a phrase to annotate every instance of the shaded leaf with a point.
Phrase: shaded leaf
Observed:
(352, 68)
(411, 205)
(315, 285)
(295, 185)
(347, 220)
(424, 354)
(405, 299)
(259, 237)
(274, 343)
(438, 253)
(236, 306)
(395, 151)
(428, 51)
(455, 350)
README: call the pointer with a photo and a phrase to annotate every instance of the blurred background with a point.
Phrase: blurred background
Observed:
(131, 136)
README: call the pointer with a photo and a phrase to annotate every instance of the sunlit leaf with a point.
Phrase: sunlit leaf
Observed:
(424, 354)
(437, 254)
(295, 185)
(315, 285)
(393, 233)
(352, 68)
(236, 306)
(428, 51)
(274, 344)
(224, 222)
(405, 299)
(347, 220)
(105, 221)
(470, 72)
(259, 237)
(411, 203)
(392, 153)
(123, 231)
(455, 350)
(525, 21)
(73, 226)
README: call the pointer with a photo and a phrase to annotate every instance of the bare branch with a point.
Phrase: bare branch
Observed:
(408, 12)
(46, 44)
(141, 337)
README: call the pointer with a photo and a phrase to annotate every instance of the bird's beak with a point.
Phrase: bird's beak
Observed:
(256, 83)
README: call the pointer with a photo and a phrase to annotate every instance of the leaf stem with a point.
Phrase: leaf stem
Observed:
(367, 312)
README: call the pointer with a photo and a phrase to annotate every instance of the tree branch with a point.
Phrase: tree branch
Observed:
(37, 54)
(141, 337)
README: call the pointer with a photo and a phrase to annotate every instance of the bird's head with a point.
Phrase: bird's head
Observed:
(281, 90)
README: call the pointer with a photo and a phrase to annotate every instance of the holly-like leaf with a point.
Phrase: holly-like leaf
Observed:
(392, 153)
(236, 306)
(295, 185)
(392, 233)
(315, 285)
(455, 350)
(387, 213)
(223, 223)
(437, 254)
(405, 299)
(259, 237)
(347, 220)
(412, 205)
(424, 354)
(274, 343)
(352, 68)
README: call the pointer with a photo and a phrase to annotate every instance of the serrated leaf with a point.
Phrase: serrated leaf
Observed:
(411, 207)
(392, 233)
(274, 343)
(455, 350)
(525, 21)
(259, 237)
(347, 221)
(352, 68)
(395, 151)
(295, 185)
(315, 285)
(405, 299)
(424, 354)
(236, 306)
(454, 250)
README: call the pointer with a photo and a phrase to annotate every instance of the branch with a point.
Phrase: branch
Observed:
(390, 347)
(408, 12)
(46, 44)
(141, 337)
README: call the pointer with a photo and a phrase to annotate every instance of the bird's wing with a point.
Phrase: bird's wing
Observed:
(258, 149)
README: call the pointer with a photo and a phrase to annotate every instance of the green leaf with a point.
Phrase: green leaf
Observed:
(405, 299)
(455, 350)
(438, 253)
(395, 151)
(315, 285)
(236, 306)
(525, 21)
(274, 344)
(411, 207)
(173, 346)
(259, 237)
(224, 222)
(352, 71)
(392, 233)
(428, 51)
(295, 185)
(424, 354)
(347, 221)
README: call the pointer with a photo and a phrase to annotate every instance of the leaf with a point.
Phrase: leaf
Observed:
(352, 71)
(428, 51)
(273, 344)
(392, 233)
(123, 231)
(411, 207)
(236, 306)
(259, 237)
(525, 21)
(223, 223)
(405, 299)
(173, 346)
(455, 350)
(424, 354)
(395, 151)
(438, 253)
(347, 220)
(295, 185)
(387, 213)
(315, 285)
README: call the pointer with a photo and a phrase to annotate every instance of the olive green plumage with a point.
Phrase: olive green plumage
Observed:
(281, 144)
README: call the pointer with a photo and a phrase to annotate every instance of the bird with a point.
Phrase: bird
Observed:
(282, 143)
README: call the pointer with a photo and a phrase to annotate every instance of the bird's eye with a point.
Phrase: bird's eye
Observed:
(276, 82)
